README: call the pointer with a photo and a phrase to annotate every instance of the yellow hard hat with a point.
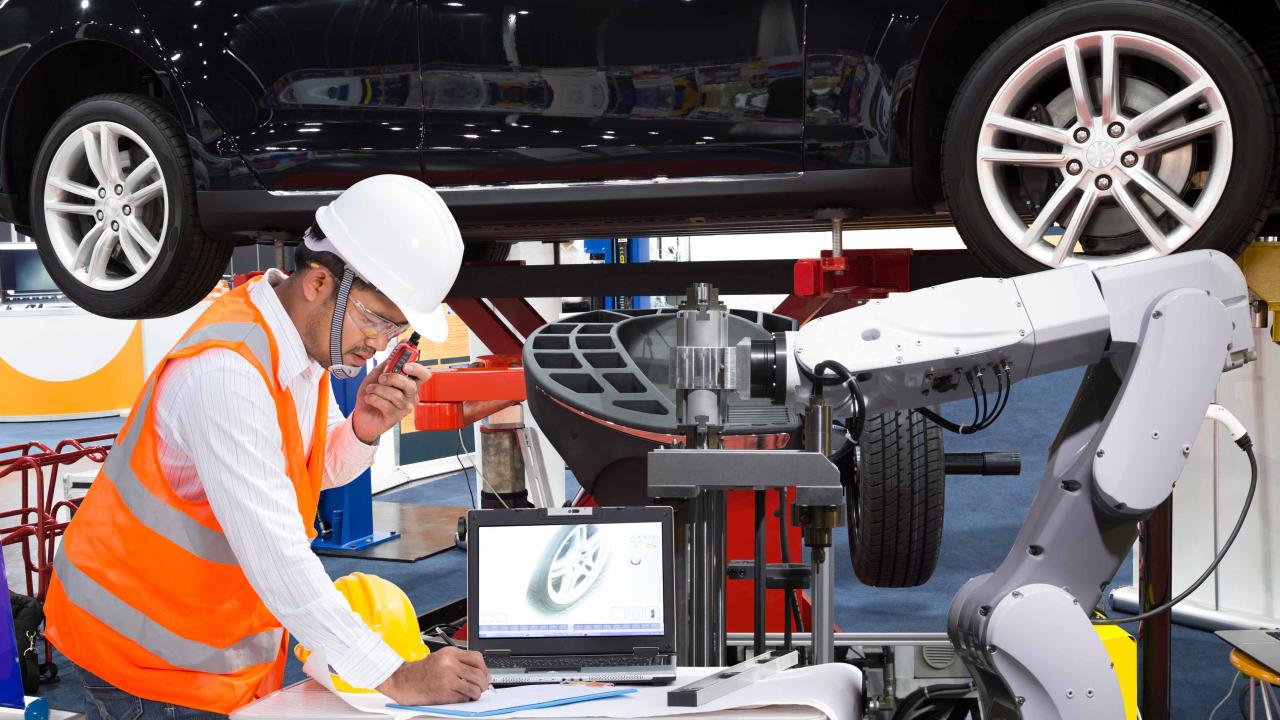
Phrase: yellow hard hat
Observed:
(385, 608)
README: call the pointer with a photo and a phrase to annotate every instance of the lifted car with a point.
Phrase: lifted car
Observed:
(141, 142)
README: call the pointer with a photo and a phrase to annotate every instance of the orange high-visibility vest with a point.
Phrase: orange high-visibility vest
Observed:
(146, 593)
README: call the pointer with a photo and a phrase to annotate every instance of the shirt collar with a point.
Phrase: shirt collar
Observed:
(294, 360)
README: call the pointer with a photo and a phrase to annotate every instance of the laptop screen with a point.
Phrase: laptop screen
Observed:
(579, 580)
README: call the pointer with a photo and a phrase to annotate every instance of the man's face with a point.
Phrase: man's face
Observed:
(368, 326)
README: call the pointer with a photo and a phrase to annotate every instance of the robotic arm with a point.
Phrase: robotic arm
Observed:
(1155, 335)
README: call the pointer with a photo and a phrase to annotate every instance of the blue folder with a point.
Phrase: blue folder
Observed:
(517, 708)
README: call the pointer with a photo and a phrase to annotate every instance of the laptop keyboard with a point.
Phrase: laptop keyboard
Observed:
(562, 661)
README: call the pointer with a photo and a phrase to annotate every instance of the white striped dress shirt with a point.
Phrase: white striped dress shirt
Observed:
(220, 440)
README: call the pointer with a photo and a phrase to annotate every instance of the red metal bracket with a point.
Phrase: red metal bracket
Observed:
(441, 397)
(827, 285)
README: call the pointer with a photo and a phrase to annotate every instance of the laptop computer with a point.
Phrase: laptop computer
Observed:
(1261, 645)
(582, 594)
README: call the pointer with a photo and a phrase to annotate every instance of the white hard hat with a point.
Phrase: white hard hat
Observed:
(397, 234)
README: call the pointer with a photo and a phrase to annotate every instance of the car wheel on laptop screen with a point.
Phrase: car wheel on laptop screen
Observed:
(114, 214)
(570, 567)
(1108, 131)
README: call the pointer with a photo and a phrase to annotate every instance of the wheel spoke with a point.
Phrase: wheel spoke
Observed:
(109, 144)
(1000, 156)
(1110, 79)
(133, 251)
(1049, 213)
(1079, 83)
(146, 194)
(1169, 106)
(93, 155)
(1039, 131)
(1166, 197)
(1182, 134)
(142, 235)
(66, 207)
(101, 255)
(86, 247)
(140, 173)
(74, 188)
(1075, 226)
(1140, 218)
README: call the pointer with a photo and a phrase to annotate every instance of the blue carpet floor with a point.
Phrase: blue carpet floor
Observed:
(982, 519)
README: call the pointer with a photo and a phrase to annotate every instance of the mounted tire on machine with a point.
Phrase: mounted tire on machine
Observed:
(894, 497)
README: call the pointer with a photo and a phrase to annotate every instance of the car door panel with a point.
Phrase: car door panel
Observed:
(314, 94)
(555, 91)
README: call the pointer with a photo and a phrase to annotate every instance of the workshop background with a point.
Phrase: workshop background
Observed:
(983, 514)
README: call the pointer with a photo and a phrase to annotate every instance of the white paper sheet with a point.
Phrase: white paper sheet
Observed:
(832, 689)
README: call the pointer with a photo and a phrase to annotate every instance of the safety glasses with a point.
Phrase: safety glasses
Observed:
(375, 326)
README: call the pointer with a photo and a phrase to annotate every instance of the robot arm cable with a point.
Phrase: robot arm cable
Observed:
(1242, 439)
(983, 414)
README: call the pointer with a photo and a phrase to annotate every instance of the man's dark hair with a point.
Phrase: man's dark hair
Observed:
(304, 256)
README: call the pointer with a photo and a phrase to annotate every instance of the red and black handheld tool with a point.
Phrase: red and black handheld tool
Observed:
(405, 353)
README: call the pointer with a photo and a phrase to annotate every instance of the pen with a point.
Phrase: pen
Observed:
(448, 640)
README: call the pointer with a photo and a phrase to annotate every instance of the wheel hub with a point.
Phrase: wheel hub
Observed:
(1100, 155)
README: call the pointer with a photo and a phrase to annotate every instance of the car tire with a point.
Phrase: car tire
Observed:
(895, 499)
(556, 590)
(152, 262)
(1017, 218)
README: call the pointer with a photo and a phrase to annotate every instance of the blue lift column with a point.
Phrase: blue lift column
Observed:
(345, 517)
(621, 250)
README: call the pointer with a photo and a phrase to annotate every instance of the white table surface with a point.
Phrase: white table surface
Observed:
(307, 699)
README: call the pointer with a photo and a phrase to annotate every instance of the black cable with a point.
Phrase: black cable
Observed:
(465, 477)
(982, 387)
(1245, 444)
(923, 694)
(984, 414)
(790, 606)
(820, 379)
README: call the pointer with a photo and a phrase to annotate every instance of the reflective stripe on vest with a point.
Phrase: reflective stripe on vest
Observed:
(161, 517)
(174, 649)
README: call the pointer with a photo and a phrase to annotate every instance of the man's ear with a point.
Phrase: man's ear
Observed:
(315, 283)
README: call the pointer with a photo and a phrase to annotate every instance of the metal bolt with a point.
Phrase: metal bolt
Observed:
(1115, 130)
(1186, 450)
(1129, 159)
(1021, 700)
(1071, 693)
(1016, 594)
(957, 351)
(1074, 167)
(127, 210)
(115, 225)
(102, 192)
(1082, 135)
(1155, 436)
(1022, 333)
(1101, 453)
(991, 649)
(1157, 315)
(899, 361)
(1103, 182)
(119, 189)
(1088, 693)
(98, 215)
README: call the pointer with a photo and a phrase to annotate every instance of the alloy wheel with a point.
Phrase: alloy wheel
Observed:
(1156, 168)
(106, 206)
